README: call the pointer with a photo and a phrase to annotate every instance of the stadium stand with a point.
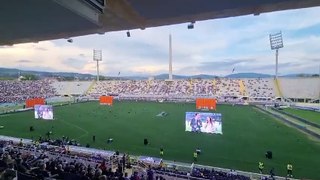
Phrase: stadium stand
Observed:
(300, 88)
(224, 89)
(19, 91)
(31, 161)
(197, 87)
(258, 87)
(71, 87)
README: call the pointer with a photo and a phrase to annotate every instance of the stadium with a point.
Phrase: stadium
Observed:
(221, 128)
(248, 132)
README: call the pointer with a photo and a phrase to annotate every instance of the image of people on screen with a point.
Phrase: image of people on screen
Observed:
(43, 112)
(196, 123)
(203, 122)
(47, 113)
(37, 113)
(209, 125)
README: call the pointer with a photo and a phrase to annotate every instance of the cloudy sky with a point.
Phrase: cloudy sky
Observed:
(213, 47)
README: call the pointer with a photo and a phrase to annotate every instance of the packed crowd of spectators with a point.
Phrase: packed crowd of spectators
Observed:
(195, 87)
(19, 91)
(201, 173)
(164, 88)
(217, 175)
(259, 87)
(226, 88)
(35, 163)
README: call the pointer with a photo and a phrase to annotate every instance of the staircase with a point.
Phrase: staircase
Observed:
(91, 86)
(214, 89)
(242, 88)
(279, 93)
(191, 87)
(277, 87)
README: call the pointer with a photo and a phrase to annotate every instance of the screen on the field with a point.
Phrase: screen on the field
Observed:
(43, 112)
(204, 122)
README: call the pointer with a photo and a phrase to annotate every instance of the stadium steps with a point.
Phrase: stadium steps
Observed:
(293, 122)
(278, 88)
(69, 87)
(242, 88)
(90, 87)
(190, 86)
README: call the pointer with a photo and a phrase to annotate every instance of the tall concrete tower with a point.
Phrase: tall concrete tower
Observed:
(97, 56)
(170, 58)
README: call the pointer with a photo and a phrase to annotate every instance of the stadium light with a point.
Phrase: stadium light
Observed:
(276, 42)
(97, 56)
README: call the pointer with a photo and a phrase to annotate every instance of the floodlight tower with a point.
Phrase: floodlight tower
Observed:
(97, 56)
(319, 88)
(170, 58)
(276, 43)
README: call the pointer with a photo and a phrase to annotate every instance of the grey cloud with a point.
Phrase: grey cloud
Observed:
(141, 49)
(75, 63)
(39, 68)
(24, 61)
(316, 60)
(41, 49)
(264, 68)
(284, 68)
(82, 55)
(226, 64)
(210, 67)
(143, 53)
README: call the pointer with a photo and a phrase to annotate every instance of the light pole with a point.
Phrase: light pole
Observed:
(170, 58)
(319, 88)
(97, 56)
(276, 43)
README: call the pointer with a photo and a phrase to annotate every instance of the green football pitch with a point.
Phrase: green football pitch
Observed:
(311, 116)
(247, 134)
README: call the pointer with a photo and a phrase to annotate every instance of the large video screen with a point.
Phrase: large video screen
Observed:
(204, 122)
(43, 112)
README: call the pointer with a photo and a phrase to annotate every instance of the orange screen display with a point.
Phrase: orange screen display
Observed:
(34, 101)
(108, 100)
(206, 103)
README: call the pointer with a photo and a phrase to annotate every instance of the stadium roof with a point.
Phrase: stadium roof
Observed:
(36, 20)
